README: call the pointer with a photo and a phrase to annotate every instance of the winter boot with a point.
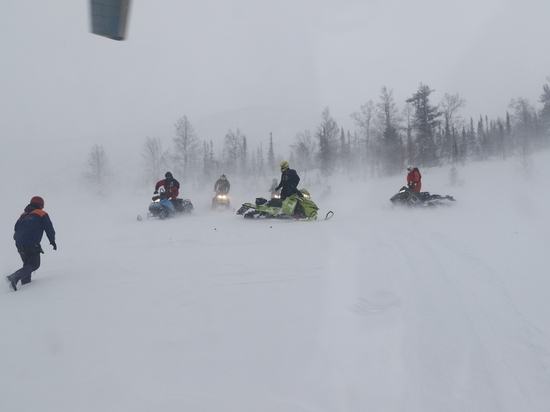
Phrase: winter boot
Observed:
(12, 282)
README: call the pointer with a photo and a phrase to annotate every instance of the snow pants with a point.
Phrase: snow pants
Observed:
(31, 262)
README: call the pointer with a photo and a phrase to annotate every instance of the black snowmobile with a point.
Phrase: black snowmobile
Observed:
(221, 200)
(407, 197)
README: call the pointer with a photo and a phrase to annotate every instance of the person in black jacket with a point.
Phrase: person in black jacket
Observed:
(289, 181)
(29, 228)
(222, 185)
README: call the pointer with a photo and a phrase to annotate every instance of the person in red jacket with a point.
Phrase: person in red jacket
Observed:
(171, 186)
(414, 179)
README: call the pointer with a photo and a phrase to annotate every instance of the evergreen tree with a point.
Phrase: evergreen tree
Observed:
(481, 139)
(501, 140)
(391, 146)
(392, 152)
(261, 163)
(544, 114)
(210, 164)
(463, 146)
(303, 152)
(271, 156)
(426, 119)
(353, 152)
(344, 151)
(244, 166)
(327, 133)
(253, 166)
(411, 155)
(455, 154)
(473, 146)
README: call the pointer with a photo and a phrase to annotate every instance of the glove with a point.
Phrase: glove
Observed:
(54, 245)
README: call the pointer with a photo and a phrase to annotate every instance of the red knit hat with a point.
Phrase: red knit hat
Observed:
(37, 200)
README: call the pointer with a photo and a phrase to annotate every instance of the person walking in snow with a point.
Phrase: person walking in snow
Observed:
(414, 179)
(29, 229)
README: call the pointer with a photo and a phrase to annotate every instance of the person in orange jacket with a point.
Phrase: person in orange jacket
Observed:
(29, 229)
(414, 179)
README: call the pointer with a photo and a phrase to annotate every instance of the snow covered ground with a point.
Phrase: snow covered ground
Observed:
(378, 309)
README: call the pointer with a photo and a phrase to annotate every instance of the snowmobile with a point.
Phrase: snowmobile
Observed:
(221, 200)
(407, 197)
(298, 206)
(162, 207)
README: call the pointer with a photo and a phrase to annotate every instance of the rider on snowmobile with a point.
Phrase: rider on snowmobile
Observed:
(289, 180)
(222, 185)
(171, 186)
(414, 179)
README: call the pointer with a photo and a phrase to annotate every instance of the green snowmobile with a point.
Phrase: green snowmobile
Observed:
(298, 206)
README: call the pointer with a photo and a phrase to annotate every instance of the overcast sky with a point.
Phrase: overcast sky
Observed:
(202, 58)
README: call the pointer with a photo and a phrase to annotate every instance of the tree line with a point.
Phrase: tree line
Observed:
(386, 137)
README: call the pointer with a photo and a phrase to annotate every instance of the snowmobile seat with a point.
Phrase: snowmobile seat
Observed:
(275, 202)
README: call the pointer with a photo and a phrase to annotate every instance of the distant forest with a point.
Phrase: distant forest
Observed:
(386, 138)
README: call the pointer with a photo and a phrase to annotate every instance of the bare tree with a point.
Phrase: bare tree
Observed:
(153, 159)
(232, 150)
(410, 147)
(98, 170)
(523, 120)
(260, 160)
(187, 148)
(327, 133)
(364, 120)
(525, 163)
(450, 104)
(210, 162)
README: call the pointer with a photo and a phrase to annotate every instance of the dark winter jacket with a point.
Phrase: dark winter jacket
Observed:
(289, 183)
(171, 187)
(222, 186)
(30, 227)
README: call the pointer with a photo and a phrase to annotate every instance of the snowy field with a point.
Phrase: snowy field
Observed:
(378, 309)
